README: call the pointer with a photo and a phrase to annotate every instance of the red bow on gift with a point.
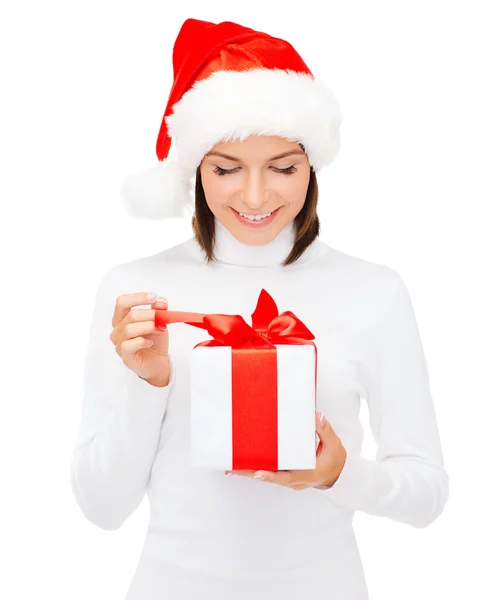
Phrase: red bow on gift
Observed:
(268, 326)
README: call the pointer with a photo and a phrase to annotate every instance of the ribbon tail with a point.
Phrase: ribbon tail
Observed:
(165, 317)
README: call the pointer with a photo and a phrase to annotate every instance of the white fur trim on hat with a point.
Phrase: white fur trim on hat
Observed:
(232, 105)
(160, 192)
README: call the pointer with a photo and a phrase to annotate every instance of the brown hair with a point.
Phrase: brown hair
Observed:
(306, 223)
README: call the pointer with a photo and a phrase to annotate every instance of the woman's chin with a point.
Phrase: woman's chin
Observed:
(252, 232)
(255, 236)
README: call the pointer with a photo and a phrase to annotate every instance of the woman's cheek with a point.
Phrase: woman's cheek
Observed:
(216, 189)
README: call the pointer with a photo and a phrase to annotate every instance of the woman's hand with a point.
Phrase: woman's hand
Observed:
(142, 347)
(330, 460)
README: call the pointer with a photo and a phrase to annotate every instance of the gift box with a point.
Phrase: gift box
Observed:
(252, 390)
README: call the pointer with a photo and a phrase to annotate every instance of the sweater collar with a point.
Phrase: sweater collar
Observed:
(229, 250)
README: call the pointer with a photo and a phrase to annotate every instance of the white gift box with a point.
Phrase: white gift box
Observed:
(216, 434)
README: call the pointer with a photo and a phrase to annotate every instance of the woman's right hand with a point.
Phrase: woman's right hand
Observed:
(142, 346)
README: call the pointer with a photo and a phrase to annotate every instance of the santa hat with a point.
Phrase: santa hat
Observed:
(230, 82)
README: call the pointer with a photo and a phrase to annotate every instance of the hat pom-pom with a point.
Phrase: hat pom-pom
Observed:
(160, 192)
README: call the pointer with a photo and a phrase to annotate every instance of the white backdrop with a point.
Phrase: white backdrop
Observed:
(415, 187)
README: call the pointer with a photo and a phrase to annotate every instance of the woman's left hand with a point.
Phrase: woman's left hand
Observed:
(330, 460)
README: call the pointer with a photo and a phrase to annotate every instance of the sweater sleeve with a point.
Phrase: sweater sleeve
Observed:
(121, 417)
(407, 480)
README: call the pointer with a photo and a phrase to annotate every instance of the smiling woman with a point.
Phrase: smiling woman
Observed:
(255, 213)
(269, 185)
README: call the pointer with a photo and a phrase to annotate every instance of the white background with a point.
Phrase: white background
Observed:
(415, 187)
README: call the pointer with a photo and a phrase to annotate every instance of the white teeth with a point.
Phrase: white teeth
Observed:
(255, 217)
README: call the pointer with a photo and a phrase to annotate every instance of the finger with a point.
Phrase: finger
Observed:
(286, 478)
(130, 325)
(246, 473)
(135, 329)
(146, 314)
(161, 303)
(130, 347)
(327, 436)
(299, 486)
(319, 450)
(125, 302)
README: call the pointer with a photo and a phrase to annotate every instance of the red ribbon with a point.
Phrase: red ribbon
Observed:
(254, 374)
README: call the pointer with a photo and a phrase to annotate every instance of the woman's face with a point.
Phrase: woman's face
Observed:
(247, 177)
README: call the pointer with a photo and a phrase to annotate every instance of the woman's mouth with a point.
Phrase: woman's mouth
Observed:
(256, 220)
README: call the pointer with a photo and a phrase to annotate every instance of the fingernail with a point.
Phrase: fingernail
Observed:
(162, 300)
(321, 418)
(261, 477)
(162, 327)
(152, 296)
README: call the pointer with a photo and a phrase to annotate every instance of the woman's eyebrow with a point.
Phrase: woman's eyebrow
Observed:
(228, 157)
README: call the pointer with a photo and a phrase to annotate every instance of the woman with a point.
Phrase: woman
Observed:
(254, 126)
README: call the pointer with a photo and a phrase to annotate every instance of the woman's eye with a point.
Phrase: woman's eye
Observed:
(287, 171)
(220, 171)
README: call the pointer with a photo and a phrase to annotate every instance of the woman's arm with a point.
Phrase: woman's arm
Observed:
(120, 422)
(407, 481)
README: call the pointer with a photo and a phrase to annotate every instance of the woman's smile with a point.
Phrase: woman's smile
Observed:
(257, 219)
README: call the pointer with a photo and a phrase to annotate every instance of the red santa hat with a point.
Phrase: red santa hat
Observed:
(230, 82)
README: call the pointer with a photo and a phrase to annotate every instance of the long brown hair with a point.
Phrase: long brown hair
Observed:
(306, 223)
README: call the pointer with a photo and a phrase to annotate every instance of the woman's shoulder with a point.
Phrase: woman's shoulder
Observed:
(151, 269)
(173, 257)
(360, 273)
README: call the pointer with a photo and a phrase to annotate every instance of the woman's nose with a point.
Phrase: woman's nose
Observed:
(255, 196)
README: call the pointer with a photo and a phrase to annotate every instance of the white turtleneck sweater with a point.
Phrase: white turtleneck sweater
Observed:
(226, 538)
